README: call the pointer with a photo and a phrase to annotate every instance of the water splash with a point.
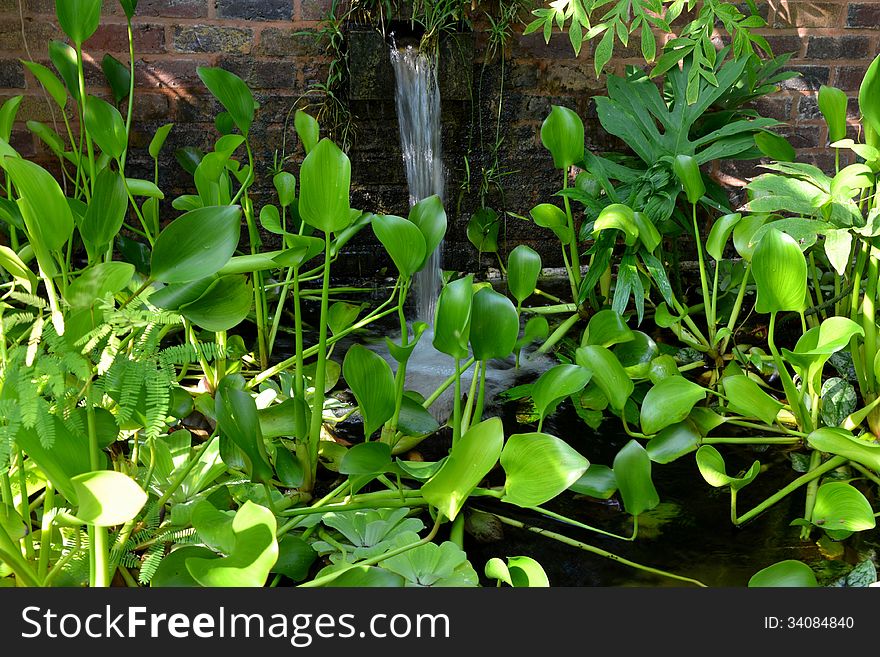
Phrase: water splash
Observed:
(418, 112)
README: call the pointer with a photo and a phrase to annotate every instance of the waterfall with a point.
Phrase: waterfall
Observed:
(418, 113)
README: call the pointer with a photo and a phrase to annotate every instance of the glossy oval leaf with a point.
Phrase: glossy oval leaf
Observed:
(556, 384)
(52, 220)
(308, 130)
(720, 234)
(714, 471)
(636, 355)
(106, 126)
(366, 459)
(687, 170)
(96, 282)
(668, 402)
(196, 244)
(285, 187)
(222, 306)
(832, 104)
(78, 18)
(562, 133)
(403, 241)
(232, 93)
(608, 374)
(429, 215)
(607, 328)
(598, 481)
(632, 471)
(470, 460)
(842, 507)
(780, 272)
(519, 572)
(746, 398)
(673, 442)
(550, 216)
(538, 468)
(774, 146)
(841, 442)
(743, 233)
(238, 420)
(53, 86)
(523, 269)
(618, 217)
(107, 498)
(494, 325)
(452, 318)
(106, 211)
(789, 573)
(370, 379)
(325, 183)
(158, 140)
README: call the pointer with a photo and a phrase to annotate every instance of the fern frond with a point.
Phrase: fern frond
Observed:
(150, 563)
(29, 299)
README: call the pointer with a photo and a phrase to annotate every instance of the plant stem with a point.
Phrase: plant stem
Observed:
(575, 256)
(710, 311)
(183, 474)
(830, 464)
(130, 94)
(758, 440)
(98, 543)
(575, 523)
(812, 490)
(434, 396)
(794, 398)
(558, 334)
(24, 510)
(83, 128)
(46, 532)
(456, 405)
(10, 552)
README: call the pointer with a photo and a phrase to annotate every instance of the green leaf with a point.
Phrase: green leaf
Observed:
(237, 419)
(468, 462)
(557, 384)
(618, 217)
(118, 77)
(674, 441)
(838, 246)
(562, 133)
(720, 233)
(832, 104)
(214, 526)
(788, 573)
(841, 507)
(608, 374)
(687, 170)
(107, 498)
(815, 347)
(53, 86)
(403, 241)
(106, 211)
(172, 571)
(742, 235)
(482, 230)
(222, 306)
(196, 244)
(371, 381)
(649, 236)
(429, 215)
(452, 318)
(49, 220)
(714, 471)
(494, 325)
(774, 146)
(780, 272)
(632, 471)
(232, 93)
(746, 398)
(842, 443)
(538, 467)
(607, 328)
(839, 400)
(295, 558)
(158, 140)
(636, 355)
(366, 459)
(520, 572)
(96, 282)
(668, 402)
(106, 126)
(16, 268)
(325, 182)
(550, 216)
(598, 481)
(431, 564)
(78, 18)
(603, 52)
(141, 187)
(252, 558)
(869, 99)
(64, 59)
(523, 269)
(342, 315)
(285, 187)
(308, 130)
(8, 112)
(129, 7)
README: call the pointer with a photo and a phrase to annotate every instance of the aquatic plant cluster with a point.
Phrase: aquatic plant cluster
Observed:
(177, 404)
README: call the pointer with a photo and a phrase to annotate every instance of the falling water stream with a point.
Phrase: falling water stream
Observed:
(418, 113)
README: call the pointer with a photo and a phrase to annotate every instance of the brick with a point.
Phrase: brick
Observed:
(785, 43)
(810, 79)
(176, 74)
(807, 14)
(277, 42)
(11, 74)
(150, 107)
(533, 45)
(37, 32)
(261, 74)
(866, 15)
(808, 109)
(212, 38)
(315, 10)
(849, 78)
(775, 106)
(800, 136)
(173, 8)
(256, 10)
(113, 37)
(839, 47)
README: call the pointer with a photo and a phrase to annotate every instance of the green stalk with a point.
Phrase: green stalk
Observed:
(794, 398)
(733, 493)
(575, 256)
(259, 291)
(737, 306)
(830, 464)
(434, 396)
(558, 334)
(812, 491)
(814, 273)
(390, 429)
(100, 553)
(279, 307)
(130, 94)
(24, 510)
(46, 532)
(10, 552)
(710, 314)
(320, 375)
(481, 398)
(472, 393)
(869, 323)
(575, 523)
(456, 406)
(83, 128)
(594, 550)
(758, 440)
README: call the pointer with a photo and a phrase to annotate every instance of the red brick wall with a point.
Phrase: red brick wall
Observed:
(833, 41)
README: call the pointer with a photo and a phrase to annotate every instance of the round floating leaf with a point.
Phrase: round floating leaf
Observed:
(538, 468)
(668, 402)
(224, 305)
(562, 133)
(366, 458)
(429, 215)
(673, 442)
(607, 328)
(325, 183)
(106, 126)
(841, 507)
(714, 471)
(494, 325)
(788, 573)
(196, 244)
(452, 318)
(556, 384)
(232, 93)
(618, 217)
(608, 374)
(370, 379)
(523, 269)
(403, 241)
(632, 471)
(107, 498)
(252, 558)
(746, 398)
(780, 272)
(598, 481)
(468, 462)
